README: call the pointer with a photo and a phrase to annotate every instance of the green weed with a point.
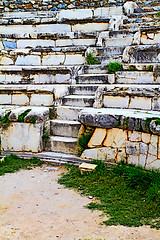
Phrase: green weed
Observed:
(114, 67)
(52, 113)
(83, 140)
(90, 60)
(13, 163)
(46, 135)
(158, 14)
(23, 115)
(5, 121)
(129, 195)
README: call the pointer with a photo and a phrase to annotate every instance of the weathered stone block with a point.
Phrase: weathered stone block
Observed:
(53, 28)
(90, 27)
(74, 59)
(41, 100)
(97, 137)
(135, 136)
(75, 14)
(142, 160)
(53, 59)
(143, 148)
(30, 60)
(5, 99)
(6, 61)
(108, 12)
(33, 43)
(135, 77)
(146, 137)
(132, 148)
(20, 99)
(116, 101)
(121, 155)
(115, 138)
(28, 137)
(133, 160)
(154, 165)
(104, 154)
(150, 159)
(140, 103)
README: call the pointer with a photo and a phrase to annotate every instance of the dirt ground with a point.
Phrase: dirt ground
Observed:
(33, 206)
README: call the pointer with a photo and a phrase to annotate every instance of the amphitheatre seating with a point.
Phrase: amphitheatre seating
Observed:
(42, 64)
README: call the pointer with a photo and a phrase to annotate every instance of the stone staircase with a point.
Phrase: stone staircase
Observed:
(42, 64)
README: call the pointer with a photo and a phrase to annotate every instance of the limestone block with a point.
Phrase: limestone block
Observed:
(21, 137)
(140, 103)
(135, 136)
(41, 100)
(33, 43)
(137, 38)
(74, 59)
(90, 27)
(132, 148)
(43, 78)
(64, 42)
(5, 99)
(13, 78)
(75, 14)
(97, 137)
(154, 127)
(60, 92)
(133, 160)
(107, 12)
(142, 160)
(6, 61)
(40, 114)
(129, 7)
(153, 146)
(146, 137)
(53, 59)
(20, 99)
(62, 78)
(150, 159)
(89, 154)
(1, 46)
(115, 138)
(20, 31)
(156, 104)
(135, 77)
(116, 101)
(53, 28)
(154, 165)
(2, 78)
(143, 148)
(121, 155)
(115, 23)
(30, 60)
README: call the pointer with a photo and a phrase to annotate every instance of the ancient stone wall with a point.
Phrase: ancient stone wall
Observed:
(54, 5)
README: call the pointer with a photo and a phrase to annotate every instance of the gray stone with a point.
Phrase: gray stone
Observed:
(132, 148)
(155, 128)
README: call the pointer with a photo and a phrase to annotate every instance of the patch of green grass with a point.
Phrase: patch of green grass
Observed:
(46, 135)
(22, 115)
(90, 60)
(5, 121)
(13, 163)
(82, 143)
(158, 14)
(114, 67)
(129, 195)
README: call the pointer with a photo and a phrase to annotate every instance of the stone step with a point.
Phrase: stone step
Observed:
(121, 118)
(64, 128)
(143, 97)
(83, 89)
(78, 100)
(95, 78)
(68, 112)
(61, 144)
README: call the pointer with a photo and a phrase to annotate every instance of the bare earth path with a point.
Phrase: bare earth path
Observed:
(33, 206)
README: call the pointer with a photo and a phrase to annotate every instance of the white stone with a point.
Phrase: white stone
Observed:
(90, 27)
(115, 23)
(21, 31)
(30, 60)
(53, 28)
(108, 12)
(41, 100)
(75, 14)
(97, 137)
(5, 99)
(60, 92)
(1, 46)
(133, 160)
(135, 136)
(62, 78)
(115, 138)
(89, 154)
(121, 155)
(153, 146)
(146, 137)
(154, 165)
(21, 137)
(116, 101)
(150, 159)
(142, 160)
(103, 36)
(137, 38)
(53, 59)
(6, 61)
(130, 77)
(126, 55)
(129, 7)
(33, 43)
(20, 99)
(104, 154)
(143, 148)
(140, 103)
(75, 59)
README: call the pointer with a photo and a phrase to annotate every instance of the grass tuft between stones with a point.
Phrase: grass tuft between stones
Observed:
(13, 163)
(129, 195)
